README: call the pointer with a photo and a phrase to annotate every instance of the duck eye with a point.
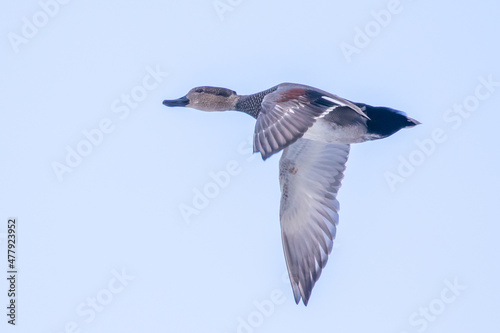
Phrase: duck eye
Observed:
(198, 90)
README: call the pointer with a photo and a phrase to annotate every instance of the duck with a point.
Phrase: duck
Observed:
(314, 129)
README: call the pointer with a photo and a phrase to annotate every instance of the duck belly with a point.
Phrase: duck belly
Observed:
(330, 132)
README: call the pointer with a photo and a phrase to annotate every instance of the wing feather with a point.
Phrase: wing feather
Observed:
(310, 177)
(288, 112)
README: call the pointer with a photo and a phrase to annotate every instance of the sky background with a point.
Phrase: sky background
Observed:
(417, 245)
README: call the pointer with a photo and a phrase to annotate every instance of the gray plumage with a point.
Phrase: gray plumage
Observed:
(310, 177)
(252, 104)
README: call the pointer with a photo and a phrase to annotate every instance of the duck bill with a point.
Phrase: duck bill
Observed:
(183, 101)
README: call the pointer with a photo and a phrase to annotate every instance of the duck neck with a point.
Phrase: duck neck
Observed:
(252, 104)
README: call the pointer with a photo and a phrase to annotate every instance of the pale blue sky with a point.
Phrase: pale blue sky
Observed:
(401, 244)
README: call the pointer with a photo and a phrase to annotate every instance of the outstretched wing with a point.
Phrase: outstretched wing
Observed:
(310, 177)
(289, 112)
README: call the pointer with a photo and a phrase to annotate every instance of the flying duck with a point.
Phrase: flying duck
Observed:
(314, 129)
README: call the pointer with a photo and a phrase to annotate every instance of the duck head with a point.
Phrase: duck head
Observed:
(206, 99)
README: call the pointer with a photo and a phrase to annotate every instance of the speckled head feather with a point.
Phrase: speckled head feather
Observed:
(207, 99)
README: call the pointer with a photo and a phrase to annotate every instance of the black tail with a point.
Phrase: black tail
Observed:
(386, 121)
